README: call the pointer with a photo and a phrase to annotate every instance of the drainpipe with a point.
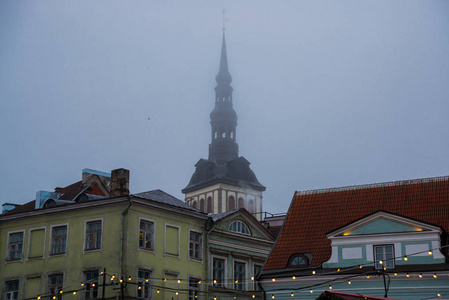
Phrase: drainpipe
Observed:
(209, 229)
(121, 235)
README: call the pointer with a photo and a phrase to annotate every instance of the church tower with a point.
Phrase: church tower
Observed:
(224, 182)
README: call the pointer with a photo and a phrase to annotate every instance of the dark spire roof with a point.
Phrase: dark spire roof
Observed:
(224, 163)
(223, 77)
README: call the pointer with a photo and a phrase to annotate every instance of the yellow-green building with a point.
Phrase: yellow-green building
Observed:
(93, 239)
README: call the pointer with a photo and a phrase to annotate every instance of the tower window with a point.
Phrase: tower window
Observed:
(223, 135)
(209, 205)
(231, 203)
(241, 203)
(251, 206)
(232, 134)
(202, 205)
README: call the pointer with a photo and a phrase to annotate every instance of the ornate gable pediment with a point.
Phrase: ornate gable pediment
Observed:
(382, 222)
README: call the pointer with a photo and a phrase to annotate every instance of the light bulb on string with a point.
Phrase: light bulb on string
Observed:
(405, 258)
(435, 275)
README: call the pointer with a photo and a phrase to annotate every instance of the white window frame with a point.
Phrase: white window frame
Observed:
(47, 287)
(83, 280)
(239, 232)
(200, 289)
(245, 276)
(225, 275)
(179, 241)
(85, 235)
(29, 242)
(8, 258)
(50, 248)
(18, 288)
(377, 266)
(150, 281)
(201, 246)
(154, 236)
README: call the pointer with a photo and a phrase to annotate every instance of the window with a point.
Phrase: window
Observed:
(91, 285)
(239, 227)
(202, 205)
(146, 235)
(384, 254)
(209, 205)
(93, 235)
(15, 246)
(194, 288)
(298, 261)
(251, 206)
(241, 203)
(195, 245)
(12, 290)
(239, 275)
(59, 240)
(143, 284)
(55, 284)
(257, 269)
(218, 271)
(231, 203)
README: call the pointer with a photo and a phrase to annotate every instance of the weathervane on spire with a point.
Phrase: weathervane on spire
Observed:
(224, 19)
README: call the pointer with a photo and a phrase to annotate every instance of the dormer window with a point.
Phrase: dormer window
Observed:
(239, 227)
(298, 261)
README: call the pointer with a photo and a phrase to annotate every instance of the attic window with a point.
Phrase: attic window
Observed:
(298, 261)
(239, 227)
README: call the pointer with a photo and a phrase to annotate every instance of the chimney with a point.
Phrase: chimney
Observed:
(119, 182)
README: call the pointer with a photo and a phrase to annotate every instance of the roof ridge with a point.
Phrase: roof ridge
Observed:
(373, 185)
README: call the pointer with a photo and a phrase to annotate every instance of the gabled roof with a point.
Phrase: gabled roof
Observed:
(163, 197)
(314, 213)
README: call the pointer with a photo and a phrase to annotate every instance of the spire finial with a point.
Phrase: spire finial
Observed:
(224, 19)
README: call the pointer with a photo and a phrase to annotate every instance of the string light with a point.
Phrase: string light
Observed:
(60, 291)
(215, 281)
(236, 281)
(93, 284)
(338, 270)
(293, 295)
(199, 281)
(38, 297)
(176, 293)
(330, 287)
(311, 291)
(420, 275)
(430, 252)
(349, 281)
(54, 297)
(380, 262)
(313, 272)
(121, 280)
(272, 296)
(254, 296)
(158, 291)
(405, 258)
(435, 275)
(274, 279)
(294, 277)
(252, 278)
(408, 275)
(367, 276)
(74, 293)
(146, 280)
(129, 279)
(395, 274)
(439, 295)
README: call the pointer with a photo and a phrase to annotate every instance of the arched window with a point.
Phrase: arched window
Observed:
(239, 227)
(231, 203)
(251, 206)
(195, 204)
(241, 203)
(298, 261)
(209, 205)
(202, 205)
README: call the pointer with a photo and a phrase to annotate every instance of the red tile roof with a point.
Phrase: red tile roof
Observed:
(312, 214)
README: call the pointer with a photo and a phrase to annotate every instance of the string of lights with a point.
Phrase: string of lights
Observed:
(116, 279)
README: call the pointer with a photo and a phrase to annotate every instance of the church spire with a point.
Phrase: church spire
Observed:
(223, 118)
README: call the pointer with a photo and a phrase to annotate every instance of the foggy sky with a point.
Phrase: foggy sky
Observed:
(328, 93)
